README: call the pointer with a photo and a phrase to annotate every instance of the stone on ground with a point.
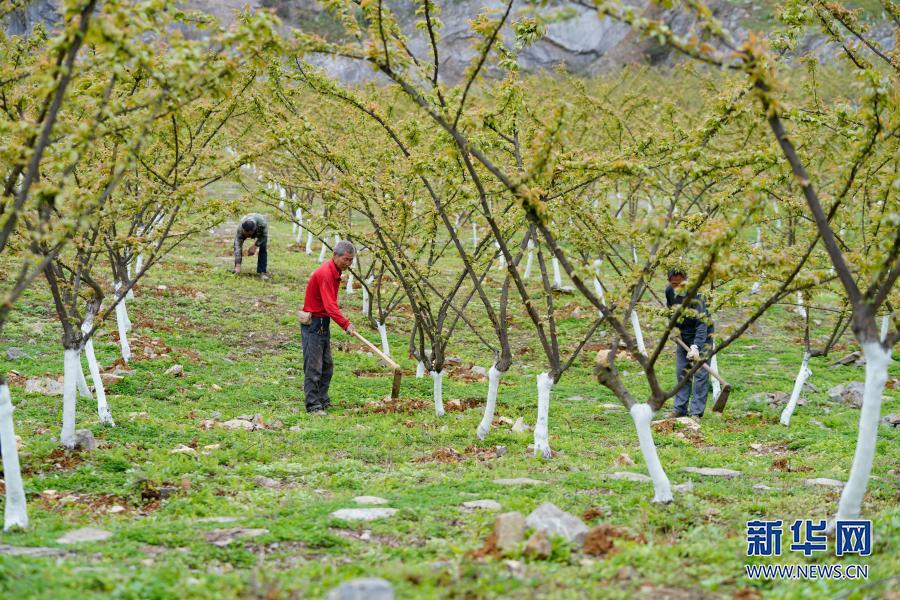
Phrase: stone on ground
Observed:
(46, 386)
(850, 393)
(761, 487)
(37, 551)
(362, 514)
(629, 476)
(223, 537)
(15, 354)
(369, 500)
(684, 488)
(478, 371)
(84, 440)
(538, 545)
(481, 505)
(825, 482)
(509, 531)
(267, 482)
(552, 520)
(175, 371)
(367, 588)
(85, 534)
(519, 481)
(713, 472)
(520, 426)
(893, 419)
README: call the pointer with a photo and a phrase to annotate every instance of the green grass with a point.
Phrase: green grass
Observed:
(247, 341)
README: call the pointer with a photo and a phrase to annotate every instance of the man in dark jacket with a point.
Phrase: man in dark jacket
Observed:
(256, 227)
(321, 303)
(697, 333)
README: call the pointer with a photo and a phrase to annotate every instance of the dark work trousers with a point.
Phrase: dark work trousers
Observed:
(263, 261)
(317, 364)
(691, 398)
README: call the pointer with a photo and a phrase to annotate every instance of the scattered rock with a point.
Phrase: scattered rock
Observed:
(267, 482)
(216, 387)
(626, 573)
(15, 354)
(239, 424)
(85, 534)
(369, 500)
(774, 398)
(36, 551)
(367, 588)
(629, 476)
(824, 482)
(182, 449)
(481, 505)
(761, 487)
(500, 451)
(554, 521)
(175, 371)
(538, 546)
(607, 406)
(520, 426)
(224, 537)
(506, 421)
(519, 481)
(852, 358)
(509, 531)
(84, 440)
(216, 520)
(893, 419)
(115, 509)
(684, 488)
(295, 428)
(478, 371)
(46, 386)
(850, 393)
(623, 460)
(363, 514)
(713, 472)
(580, 399)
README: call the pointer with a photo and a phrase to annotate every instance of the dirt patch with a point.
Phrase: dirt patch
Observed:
(462, 404)
(450, 455)
(180, 291)
(488, 549)
(143, 347)
(391, 406)
(601, 540)
(595, 512)
(88, 504)
(13, 378)
(64, 460)
(369, 537)
(783, 464)
(679, 430)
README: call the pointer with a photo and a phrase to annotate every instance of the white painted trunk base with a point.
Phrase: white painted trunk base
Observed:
(493, 387)
(638, 334)
(71, 366)
(438, 377)
(102, 407)
(802, 376)
(14, 513)
(474, 236)
(877, 360)
(885, 324)
(123, 331)
(528, 262)
(382, 331)
(642, 414)
(420, 370)
(322, 253)
(541, 433)
(801, 310)
(82, 385)
(557, 278)
(139, 264)
(716, 386)
(130, 294)
(309, 243)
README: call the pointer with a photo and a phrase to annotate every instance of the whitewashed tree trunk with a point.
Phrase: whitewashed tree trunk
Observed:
(71, 366)
(641, 414)
(82, 384)
(530, 259)
(94, 368)
(802, 376)
(801, 310)
(438, 377)
(130, 294)
(121, 322)
(350, 276)
(541, 428)
(877, 360)
(474, 236)
(420, 370)
(139, 264)
(365, 297)
(309, 243)
(885, 324)
(716, 386)
(337, 238)
(757, 284)
(322, 252)
(382, 331)
(493, 386)
(14, 513)
(638, 334)
(557, 278)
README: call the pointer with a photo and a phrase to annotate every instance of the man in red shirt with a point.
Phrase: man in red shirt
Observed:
(321, 302)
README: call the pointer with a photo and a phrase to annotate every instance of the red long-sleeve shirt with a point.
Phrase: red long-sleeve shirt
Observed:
(322, 292)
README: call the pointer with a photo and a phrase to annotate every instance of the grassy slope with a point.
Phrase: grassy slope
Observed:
(248, 344)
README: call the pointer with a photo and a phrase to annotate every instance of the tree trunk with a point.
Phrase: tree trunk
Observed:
(641, 415)
(103, 410)
(493, 387)
(309, 243)
(877, 360)
(530, 260)
(121, 318)
(82, 384)
(420, 370)
(15, 513)
(71, 366)
(541, 434)
(382, 331)
(638, 334)
(438, 377)
(802, 376)
(557, 278)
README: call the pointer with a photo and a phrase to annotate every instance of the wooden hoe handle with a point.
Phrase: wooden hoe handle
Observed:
(375, 349)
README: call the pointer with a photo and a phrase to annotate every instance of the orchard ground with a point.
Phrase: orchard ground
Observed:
(238, 341)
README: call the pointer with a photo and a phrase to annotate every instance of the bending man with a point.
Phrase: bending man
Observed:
(253, 226)
(321, 303)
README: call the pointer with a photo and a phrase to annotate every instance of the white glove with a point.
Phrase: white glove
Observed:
(694, 352)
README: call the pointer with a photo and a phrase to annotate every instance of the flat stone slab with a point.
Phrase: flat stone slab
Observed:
(713, 472)
(363, 514)
(216, 520)
(684, 488)
(519, 481)
(761, 487)
(369, 588)
(552, 520)
(481, 505)
(6, 550)
(629, 476)
(369, 500)
(824, 482)
(223, 537)
(85, 534)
